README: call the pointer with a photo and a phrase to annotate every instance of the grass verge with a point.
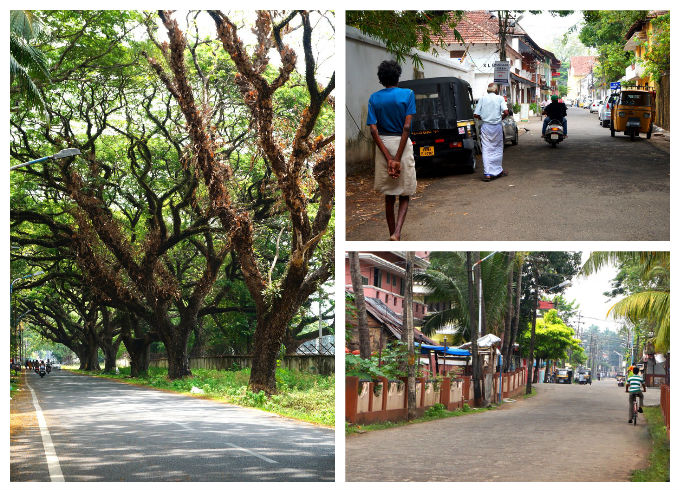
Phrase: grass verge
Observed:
(435, 412)
(300, 395)
(658, 469)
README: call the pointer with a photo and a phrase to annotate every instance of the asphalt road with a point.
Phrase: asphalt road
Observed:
(564, 433)
(107, 431)
(591, 187)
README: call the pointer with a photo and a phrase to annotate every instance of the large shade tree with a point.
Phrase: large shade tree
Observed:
(183, 212)
(302, 161)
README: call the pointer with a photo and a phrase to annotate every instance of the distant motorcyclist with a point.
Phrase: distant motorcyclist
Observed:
(555, 111)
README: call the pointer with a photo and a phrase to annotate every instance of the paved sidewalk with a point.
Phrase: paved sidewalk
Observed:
(564, 433)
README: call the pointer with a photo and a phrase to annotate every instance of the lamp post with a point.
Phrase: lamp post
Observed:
(13, 323)
(62, 154)
(479, 324)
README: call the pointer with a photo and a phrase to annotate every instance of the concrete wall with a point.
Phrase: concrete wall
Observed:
(363, 55)
(368, 401)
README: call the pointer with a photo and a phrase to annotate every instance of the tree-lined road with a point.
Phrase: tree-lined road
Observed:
(591, 187)
(564, 433)
(108, 431)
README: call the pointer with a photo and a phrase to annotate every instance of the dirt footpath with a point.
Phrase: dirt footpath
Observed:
(564, 433)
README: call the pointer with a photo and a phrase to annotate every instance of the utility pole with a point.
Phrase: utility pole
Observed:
(408, 318)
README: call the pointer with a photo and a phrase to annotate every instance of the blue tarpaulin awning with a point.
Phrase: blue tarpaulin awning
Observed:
(426, 348)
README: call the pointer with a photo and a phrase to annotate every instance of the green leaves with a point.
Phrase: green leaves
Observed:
(405, 30)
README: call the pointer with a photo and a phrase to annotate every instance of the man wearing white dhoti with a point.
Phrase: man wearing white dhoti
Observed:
(490, 110)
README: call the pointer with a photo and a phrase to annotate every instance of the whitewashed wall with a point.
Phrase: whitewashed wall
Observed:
(363, 55)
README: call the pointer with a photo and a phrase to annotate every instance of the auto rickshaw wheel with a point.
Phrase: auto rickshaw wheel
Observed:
(611, 129)
(632, 135)
(471, 163)
(649, 133)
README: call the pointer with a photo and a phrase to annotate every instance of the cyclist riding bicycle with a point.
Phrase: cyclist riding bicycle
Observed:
(635, 385)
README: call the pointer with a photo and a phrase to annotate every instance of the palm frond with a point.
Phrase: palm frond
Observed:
(652, 306)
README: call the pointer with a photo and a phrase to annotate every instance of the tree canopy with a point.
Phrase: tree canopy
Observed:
(201, 207)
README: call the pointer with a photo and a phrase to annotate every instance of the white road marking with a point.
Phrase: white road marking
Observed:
(254, 454)
(50, 454)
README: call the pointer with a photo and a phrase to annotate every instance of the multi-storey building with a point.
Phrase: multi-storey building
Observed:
(383, 277)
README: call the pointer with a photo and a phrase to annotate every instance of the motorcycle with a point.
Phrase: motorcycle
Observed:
(554, 133)
(42, 371)
(48, 367)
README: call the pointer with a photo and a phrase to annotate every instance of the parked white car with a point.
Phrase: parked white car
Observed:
(595, 107)
(605, 113)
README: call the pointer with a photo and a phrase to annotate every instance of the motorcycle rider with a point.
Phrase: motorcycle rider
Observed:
(555, 111)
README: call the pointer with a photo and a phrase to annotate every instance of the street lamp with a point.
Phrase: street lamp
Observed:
(62, 154)
(479, 323)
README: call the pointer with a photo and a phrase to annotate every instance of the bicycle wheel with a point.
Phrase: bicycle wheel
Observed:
(635, 412)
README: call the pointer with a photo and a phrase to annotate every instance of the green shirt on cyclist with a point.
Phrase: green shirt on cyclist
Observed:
(635, 385)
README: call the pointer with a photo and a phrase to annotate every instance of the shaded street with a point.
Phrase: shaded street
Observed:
(108, 431)
(564, 433)
(591, 187)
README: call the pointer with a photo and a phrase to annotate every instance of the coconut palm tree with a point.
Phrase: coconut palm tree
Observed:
(652, 303)
(26, 62)
(447, 284)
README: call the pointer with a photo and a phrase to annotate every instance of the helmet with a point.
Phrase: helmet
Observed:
(554, 97)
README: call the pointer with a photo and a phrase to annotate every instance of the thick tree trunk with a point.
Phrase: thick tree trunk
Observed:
(110, 349)
(139, 350)
(91, 358)
(176, 341)
(360, 303)
(266, 345)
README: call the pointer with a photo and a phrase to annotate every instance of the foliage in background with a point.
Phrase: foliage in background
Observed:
(644, 277)
(554, 339)
(604, 30)
(27, 63)
(657, 60)
(403, 31)
(390, 363)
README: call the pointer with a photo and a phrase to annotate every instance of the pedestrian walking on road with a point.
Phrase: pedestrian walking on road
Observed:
(491, 110)
(390, 111)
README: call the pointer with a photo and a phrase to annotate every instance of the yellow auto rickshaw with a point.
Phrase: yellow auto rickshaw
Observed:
(633, 112)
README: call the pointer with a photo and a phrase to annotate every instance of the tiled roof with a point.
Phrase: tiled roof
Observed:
(393, 321)
(476, 26)
(581, 65)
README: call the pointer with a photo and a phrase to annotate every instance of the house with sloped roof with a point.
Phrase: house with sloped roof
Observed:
(580, 67)
(531, 67)
(383, 276)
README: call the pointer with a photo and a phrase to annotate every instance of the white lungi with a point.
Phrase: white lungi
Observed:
(492, 148)
(406, 184)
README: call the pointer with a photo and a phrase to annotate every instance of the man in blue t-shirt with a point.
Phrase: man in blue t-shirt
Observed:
(635, 385)
(390, 111)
